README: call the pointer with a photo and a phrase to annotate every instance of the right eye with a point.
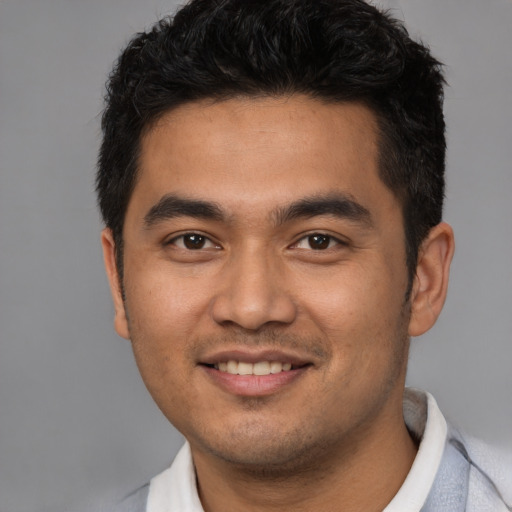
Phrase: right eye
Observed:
(193, 242)
(318, 242)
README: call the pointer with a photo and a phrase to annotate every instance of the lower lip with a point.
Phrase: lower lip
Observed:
(253, 385)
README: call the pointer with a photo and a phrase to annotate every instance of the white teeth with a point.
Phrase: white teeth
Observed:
(259, 368)
(232, 367)
(245, 368)
(276, 367)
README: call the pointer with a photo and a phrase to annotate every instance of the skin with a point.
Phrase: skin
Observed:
(335, 433)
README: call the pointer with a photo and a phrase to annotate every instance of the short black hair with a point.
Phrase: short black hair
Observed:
(330, 50)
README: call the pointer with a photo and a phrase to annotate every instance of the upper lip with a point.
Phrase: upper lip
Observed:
(254, 356)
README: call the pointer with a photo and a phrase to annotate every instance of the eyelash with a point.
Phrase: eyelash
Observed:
(205, 239)
(202, 240)
(331, 241)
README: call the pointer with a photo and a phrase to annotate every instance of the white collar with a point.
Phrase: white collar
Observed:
(426, 423)
(175, 489)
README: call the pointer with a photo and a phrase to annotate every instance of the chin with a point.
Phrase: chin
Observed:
(259, 449)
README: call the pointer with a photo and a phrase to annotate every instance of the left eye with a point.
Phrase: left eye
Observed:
(317, 242)
(193, 241)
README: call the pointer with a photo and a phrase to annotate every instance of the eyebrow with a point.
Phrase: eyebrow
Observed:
(171, 206)
(337, 205)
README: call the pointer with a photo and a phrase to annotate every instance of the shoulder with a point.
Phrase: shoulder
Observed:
(134, 502)
(490, 472)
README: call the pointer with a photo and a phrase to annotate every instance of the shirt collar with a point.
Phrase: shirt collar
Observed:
(426, 424)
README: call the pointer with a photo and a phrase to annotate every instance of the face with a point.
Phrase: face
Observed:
(265, 277)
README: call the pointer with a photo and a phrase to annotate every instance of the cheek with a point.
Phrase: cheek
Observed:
(163, 312)
(158, 330)
(163, 306)
(351, 298)
(361, 313)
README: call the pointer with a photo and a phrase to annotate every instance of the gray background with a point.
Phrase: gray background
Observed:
(77, 426)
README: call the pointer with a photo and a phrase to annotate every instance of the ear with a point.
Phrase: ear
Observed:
(431, 280)
(109, 258)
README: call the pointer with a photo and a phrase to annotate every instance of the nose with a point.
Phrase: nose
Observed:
(253, 293)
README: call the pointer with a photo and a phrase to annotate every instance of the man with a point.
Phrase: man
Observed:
(271, 180)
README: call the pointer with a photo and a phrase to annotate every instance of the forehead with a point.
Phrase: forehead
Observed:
(242, 152)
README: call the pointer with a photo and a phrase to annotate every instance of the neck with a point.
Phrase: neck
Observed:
(362, 472)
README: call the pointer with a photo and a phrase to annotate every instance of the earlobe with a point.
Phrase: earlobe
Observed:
(431, 281)
(109, 258)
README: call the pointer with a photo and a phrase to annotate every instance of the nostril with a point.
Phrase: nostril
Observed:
(253, 311)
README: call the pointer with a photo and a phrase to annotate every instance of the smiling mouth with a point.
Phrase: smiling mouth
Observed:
(260, 377)
(259, 368)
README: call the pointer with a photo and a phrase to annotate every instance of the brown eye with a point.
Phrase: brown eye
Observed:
(194, 241)
(318, 242)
